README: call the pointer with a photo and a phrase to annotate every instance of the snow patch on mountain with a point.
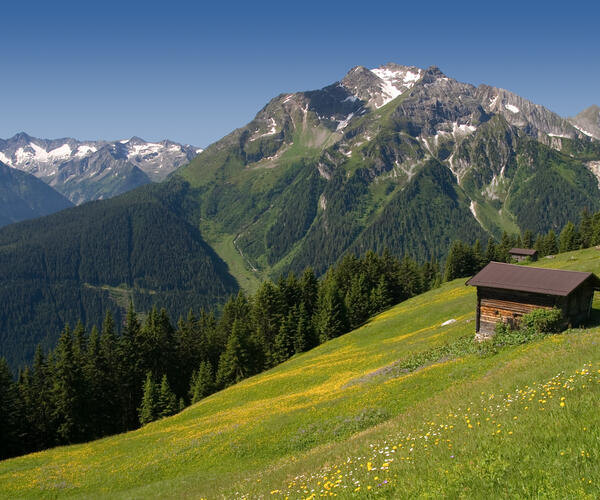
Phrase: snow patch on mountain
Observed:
(85, 150)
(344, 123)
(512, 108)
(67, 163)
(589, 134)
(395, 80)
(5, 159)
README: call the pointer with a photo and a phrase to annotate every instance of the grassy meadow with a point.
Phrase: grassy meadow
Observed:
(385, 411)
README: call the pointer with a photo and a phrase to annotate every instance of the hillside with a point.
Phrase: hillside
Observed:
(401, 406)
(23, 197)
(79, 263)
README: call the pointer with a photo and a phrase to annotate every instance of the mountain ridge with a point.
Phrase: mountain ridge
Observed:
(396, 158)
(90, 170)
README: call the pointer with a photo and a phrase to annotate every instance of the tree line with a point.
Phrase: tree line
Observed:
(464, 260)
(113, 379)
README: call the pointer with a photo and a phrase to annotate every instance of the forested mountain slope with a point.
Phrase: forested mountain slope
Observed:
(22, 197)
(406, 405)
(396, 157)
(81, 262)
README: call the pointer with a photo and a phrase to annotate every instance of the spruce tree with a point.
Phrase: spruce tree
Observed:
(283, 347)
(69, 407)
(586, 229)
(167, 401)
(202, 383)
(357, 301)
(310, 290)
(110, 381)
(381, 298)
(568, 239)
(332, 320)
(550, 244)
(233, 364)
(305, 332)
(490, 252)
(148, 410)
(9, 413)
(527, 239)
(479, 260)
(130, 372)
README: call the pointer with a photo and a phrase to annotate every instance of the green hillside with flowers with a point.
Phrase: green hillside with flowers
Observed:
(407, 406)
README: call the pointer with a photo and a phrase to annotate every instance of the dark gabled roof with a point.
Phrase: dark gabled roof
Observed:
(531, 279)
(522, 251)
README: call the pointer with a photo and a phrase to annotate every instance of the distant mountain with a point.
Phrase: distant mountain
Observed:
(92, 170)
(22, 196)
(394, 157)
(588, 121)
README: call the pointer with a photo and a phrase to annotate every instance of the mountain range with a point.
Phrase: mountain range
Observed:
(395, 157)
(92, 170)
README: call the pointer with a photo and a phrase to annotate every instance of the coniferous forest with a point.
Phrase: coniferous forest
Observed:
(115, 378)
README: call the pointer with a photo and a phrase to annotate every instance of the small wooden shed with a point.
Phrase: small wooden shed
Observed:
(520, 254)
(505, 292)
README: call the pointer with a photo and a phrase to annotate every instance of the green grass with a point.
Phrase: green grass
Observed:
(336, 408)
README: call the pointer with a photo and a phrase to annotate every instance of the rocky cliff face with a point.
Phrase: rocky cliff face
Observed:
(588, 122)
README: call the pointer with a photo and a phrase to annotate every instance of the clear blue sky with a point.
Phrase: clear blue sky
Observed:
(193, 72)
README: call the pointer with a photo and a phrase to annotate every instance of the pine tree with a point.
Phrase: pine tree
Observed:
(35, 389)
(490, 252)
(540, 245)
(479, 260)
(130, 370)
(527, 239)
(506, 243)
(69, 407)
(167, 401)
(332, 320)
(233, 364)
(381, 298)
(283, 347)
(305, 332)
(550, 245)
(568, 239)
(110, 382)
(268, 307)
(310, 291)
(202, 383)
(357, 301)
(460, 261)
(9, 413)
(148, 410)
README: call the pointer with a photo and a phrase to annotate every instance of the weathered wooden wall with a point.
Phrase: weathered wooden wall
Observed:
(508, 306)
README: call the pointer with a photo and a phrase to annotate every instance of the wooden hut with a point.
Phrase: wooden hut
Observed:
(520, 254)
(505, 292)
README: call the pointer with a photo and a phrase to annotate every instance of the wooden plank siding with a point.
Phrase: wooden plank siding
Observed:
(506, 292)
(508, 306)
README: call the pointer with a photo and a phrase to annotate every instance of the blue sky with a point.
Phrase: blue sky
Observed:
(193, 72)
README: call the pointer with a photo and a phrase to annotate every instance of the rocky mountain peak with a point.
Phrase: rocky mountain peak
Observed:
(588, 121)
